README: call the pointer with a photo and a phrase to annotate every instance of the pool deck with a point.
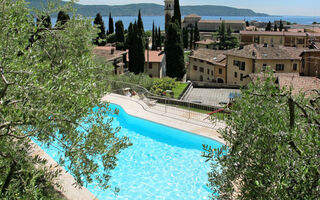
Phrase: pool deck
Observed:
(66, 180)
(138, 108)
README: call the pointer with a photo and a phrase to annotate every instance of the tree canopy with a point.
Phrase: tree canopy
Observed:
(111, 27)
(136, 44)
(62, 18)
(174, 52)
(101, 39)
(225, 38)
(272, 149)
(47, 93)
(176, 18)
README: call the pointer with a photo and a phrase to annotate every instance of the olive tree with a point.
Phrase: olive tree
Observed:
(49, 85)
(272, 146)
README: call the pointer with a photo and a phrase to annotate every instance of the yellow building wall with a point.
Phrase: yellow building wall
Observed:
(275, 40)
(212, 76)
(288, 65)
(155, 71)
(256, 66)
(289, 41)
(310, 64)
(232, 69)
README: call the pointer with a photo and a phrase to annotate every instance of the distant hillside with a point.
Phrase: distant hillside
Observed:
(148, 9)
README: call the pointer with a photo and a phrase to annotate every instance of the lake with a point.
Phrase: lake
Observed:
(159, 20)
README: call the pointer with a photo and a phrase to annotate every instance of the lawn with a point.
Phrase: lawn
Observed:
(178, 89)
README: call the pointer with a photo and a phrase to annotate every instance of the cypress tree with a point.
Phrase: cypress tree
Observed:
(174, 52)
(268, 28)
(247, 24)
(281, 26)
(130, 46)
(222, 36)
(139, 44)
(111, 28)
(119, 35)
(185, 38)
(119, 31)
(98, 21)
(196, 34)
(275, 27)
(177, 13)
(140, 24)
(62, 19)
(136, 45)
(159, 39)
(154, 35)
(231, 41)
(191, 38)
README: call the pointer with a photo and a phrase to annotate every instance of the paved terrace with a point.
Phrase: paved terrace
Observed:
(210, 96)
(168, 116)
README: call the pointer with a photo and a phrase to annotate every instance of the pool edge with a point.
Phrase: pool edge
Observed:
(137, 108)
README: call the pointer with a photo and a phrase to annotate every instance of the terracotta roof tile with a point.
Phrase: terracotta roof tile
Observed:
(300, 84)
(216, 57)
(108, 52)
(154, 56)
(258, 51)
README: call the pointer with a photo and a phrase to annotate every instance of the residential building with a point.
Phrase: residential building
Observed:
(208, 44)
(255, 58)
(110, 54)
(207, 65)
(212, 25)
(310, 63)
(155, 64)
(289, 39)
(291, 81)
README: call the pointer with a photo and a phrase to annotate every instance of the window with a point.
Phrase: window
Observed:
(150, 65)
(208, 71)
(201, 69)
(236, 63)
(300, 41)
(235, 74)
(195, 68)
(201, 61)
(242, 66)
(211, 72)
(241, 77)
(264, 67)
(280, 67)
(220, 71)
(295, 67)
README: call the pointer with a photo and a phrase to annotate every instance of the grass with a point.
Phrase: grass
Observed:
(177, 91)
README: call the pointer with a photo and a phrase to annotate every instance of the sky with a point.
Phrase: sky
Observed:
(272, 7)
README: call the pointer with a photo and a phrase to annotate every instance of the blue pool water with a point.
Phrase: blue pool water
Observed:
(163, 163)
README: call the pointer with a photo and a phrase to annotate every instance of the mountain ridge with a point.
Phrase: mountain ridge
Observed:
(152, 9)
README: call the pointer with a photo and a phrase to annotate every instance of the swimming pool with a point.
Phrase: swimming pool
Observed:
(163, 162)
